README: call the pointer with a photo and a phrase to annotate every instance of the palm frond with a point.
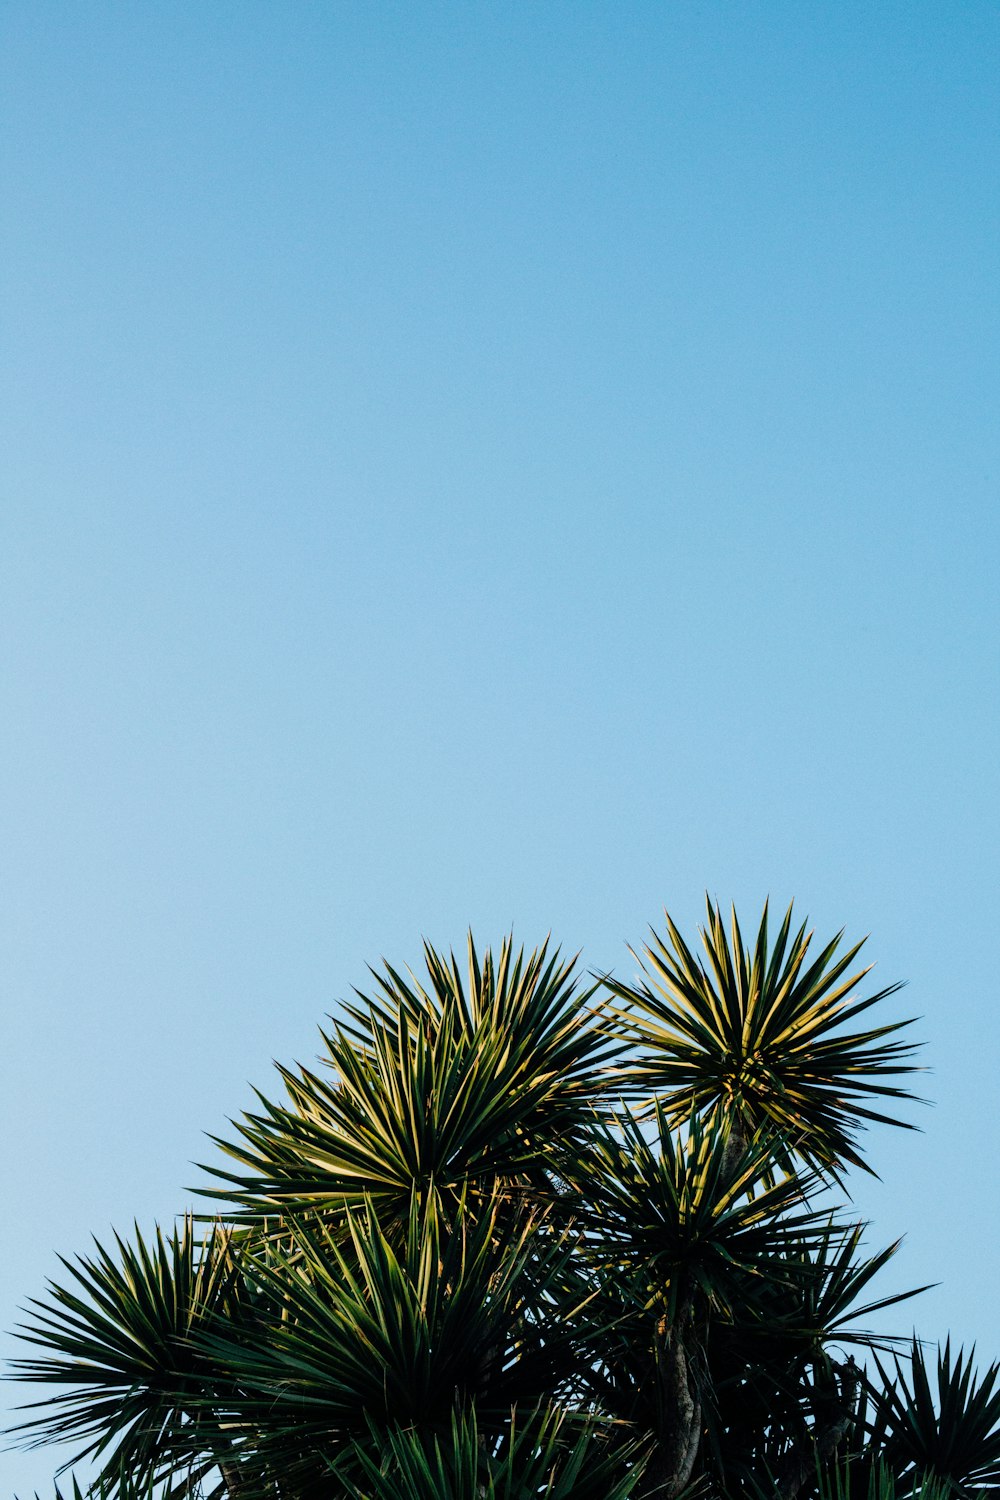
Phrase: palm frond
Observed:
(465, 1081)
(116, 1340)
(755, 1036)
(548, 1454)
(696, 1217)
(944, 1424)
(397, 1331)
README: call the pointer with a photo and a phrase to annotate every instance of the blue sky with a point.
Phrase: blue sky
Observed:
(497, 465)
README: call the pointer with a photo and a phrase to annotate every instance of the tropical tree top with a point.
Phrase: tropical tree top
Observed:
(516, 1237)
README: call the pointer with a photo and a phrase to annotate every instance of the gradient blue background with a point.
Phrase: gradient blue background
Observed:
(493, 464)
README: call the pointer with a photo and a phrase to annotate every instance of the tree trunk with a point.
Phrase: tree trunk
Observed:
(232, 1479)
(833, 1418)
(679, 1410)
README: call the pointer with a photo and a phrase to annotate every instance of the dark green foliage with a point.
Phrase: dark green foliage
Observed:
(543, 1454)
(944, 1425)
(517, 1239)
(121, 1345)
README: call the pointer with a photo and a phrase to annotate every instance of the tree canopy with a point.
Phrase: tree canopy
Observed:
(523, 1234)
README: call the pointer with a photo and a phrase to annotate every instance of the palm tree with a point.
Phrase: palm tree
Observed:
(517, 1237)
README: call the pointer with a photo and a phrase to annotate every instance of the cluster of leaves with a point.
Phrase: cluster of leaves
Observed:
(517, 1238)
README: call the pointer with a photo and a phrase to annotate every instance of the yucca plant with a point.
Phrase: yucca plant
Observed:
(876, 1482)
(374, 1331)
(549, 1453)
(441, 1088)
(119, 1342)
(518, 1237)
(937, 1422)
(753, 1037)
(124, 1489)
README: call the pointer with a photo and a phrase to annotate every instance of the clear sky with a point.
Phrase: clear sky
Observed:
(495, 464)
